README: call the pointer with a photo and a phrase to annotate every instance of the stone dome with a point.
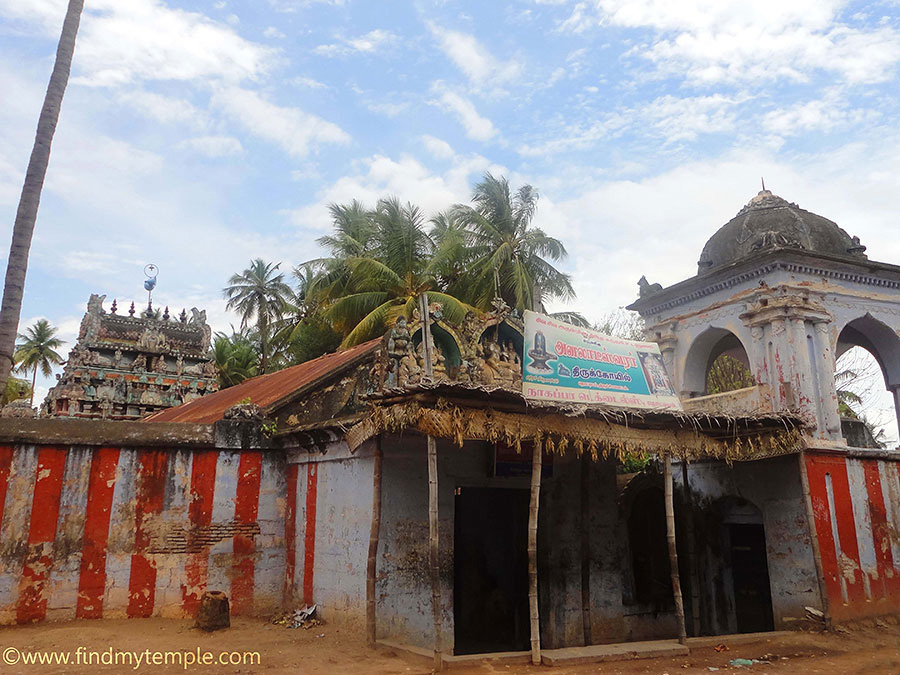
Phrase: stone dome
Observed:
(768, 222)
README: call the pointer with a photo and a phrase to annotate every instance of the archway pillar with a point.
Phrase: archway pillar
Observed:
(789, 330)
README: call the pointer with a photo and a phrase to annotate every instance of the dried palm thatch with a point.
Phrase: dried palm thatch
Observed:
(600, 432)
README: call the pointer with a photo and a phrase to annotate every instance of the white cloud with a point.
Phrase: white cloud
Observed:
(825, 114)
(683, 119)
(163, 108)
(273, 33)
(388, 109)
(307, 83)
(369, 43)
(121, 42)
(481, 68)
(407, 178)
(477, 127)
(214, 146)
(296, 131)
(668, 117)
(710, 41)
(438, 148)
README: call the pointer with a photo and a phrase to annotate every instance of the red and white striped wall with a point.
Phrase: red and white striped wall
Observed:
(116, 532)
(856, 509)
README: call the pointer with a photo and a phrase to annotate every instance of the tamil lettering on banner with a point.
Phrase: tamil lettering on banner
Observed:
(577, 365)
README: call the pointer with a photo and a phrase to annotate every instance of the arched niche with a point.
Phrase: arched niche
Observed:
(703, 352)
(502, 333)
(446, 342)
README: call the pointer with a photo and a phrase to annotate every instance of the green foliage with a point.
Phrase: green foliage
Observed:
(36, 349)
(14, 390)
(508, 254)
(621, 323)
(261, 294)
(311, 338)
(727, 374)
(236, 357)
(381, 260)
(635, 463)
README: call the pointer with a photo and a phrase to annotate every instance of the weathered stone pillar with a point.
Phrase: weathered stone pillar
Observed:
(799, 363)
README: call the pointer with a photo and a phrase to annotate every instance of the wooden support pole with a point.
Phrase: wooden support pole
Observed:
(673, 551)
(433, 550)
(532, 553)
(433, 540)
(692, 553)
(586, 463)
(374, 535)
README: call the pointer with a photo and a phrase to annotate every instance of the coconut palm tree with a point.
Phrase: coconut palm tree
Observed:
(235, 357)
(387, 282)
(509, 253)
(37, 349)
(259, 293)
(26, 215)
(355, 230)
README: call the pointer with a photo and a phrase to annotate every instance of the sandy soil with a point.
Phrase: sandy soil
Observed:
(873, 648)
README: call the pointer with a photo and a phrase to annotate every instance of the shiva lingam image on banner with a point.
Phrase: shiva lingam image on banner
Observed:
(539, 355)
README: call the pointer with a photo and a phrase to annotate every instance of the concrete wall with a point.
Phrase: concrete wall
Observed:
(773, 486)
(856, 507)
(99, 532)
(330, 493)
(404, 609)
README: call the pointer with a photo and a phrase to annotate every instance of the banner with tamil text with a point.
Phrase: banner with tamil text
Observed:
(565, 363)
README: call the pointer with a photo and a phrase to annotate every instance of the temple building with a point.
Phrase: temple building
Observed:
(125, 367)
(410, 490)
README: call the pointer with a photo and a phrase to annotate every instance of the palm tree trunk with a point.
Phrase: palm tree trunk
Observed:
(33, 382)
(26, 215)
(263, 326)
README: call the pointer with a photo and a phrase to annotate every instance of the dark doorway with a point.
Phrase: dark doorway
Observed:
(750, 574)
(490, 570)
(649, 549)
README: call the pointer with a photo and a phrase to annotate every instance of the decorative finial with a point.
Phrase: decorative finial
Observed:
(131, 311)
(183, 317)
(151, 271)
(112, 310)
(166, 314)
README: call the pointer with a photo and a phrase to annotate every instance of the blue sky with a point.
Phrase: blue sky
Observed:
(196, 135)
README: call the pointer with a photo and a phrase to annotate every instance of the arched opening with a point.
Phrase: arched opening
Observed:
(867, 380)
(717, 362)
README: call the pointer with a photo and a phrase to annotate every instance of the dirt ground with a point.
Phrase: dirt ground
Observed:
(870, 648)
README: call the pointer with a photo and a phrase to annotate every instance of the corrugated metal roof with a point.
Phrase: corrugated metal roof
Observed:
(263, 390)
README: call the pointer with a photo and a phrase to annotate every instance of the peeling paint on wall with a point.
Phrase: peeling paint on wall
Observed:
(115, 532)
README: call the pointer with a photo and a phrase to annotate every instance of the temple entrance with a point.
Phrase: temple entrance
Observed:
(490, 570)
(750, 577)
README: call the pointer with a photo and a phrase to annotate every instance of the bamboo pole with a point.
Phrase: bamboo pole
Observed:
(433, 540)
(586, 548)
(374, 535)
(673, 551)
(532, 553)
(692, 553)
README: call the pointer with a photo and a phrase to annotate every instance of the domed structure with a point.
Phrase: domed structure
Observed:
(769, 222)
